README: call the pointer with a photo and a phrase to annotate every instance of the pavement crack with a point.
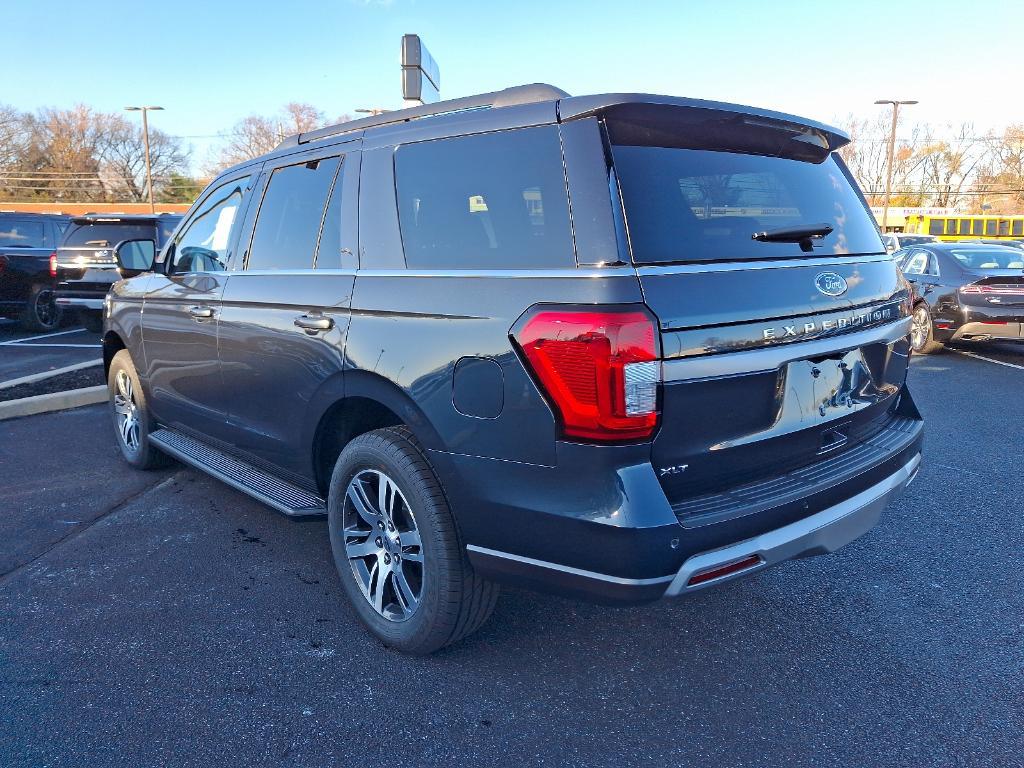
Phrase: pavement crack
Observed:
(10, 574)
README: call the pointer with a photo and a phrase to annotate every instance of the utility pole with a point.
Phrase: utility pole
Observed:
(145, 138)
(892, 150)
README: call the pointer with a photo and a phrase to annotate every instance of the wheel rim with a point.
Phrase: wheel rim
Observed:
(383, 545)
(919, 328)
(127, 411)
(46, 308)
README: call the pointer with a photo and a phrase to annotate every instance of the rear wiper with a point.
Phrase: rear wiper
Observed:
(804, 235)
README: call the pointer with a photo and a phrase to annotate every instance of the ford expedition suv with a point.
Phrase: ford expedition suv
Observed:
(27, 243)
(618, 347)
(85, 267)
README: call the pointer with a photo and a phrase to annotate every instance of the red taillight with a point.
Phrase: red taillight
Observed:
(53, 264)
(751, 561)
(3, 264)
(599, 368)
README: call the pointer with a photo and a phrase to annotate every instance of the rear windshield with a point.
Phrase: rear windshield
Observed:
(105, 235)
(704, 205)
(915, 239)
(165, 228)
(995, 258)
(22, 233)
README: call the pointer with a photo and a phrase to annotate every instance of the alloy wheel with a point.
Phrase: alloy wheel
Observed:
(383, 545)
(919, 328)
(45, 308)
(127, 411)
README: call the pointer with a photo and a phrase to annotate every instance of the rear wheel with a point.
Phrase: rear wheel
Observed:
(41, 313)
(397, 549)
(922, 332)
(132, 422)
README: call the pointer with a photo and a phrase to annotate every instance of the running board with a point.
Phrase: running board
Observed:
(289, 499)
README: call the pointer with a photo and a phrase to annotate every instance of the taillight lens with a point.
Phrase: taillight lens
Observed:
(3, 264)
(599, 369)
(53, 264)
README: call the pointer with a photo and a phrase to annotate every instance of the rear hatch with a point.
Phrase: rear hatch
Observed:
(781, 318)
(994, 279)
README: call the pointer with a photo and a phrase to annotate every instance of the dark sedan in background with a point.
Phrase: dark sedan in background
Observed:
(964, 292)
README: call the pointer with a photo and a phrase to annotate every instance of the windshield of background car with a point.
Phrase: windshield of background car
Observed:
(105, 235)
(697, 184)
(995, 258)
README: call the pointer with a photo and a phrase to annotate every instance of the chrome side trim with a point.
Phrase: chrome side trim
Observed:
(505, 273)
(772, 358)
(744, 266)
(823, 532)
(569, 569)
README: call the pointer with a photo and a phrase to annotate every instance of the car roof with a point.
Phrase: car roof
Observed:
(124, 218)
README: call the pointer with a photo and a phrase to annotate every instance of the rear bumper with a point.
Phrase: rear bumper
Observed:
(979, 331)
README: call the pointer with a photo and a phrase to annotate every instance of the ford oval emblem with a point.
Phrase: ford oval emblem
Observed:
(831, 284)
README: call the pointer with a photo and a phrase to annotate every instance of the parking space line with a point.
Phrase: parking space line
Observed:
(50, 346)
(34, 377)
(41, 336)
(989, 359)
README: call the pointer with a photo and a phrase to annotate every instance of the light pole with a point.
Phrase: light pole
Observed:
(892, 149)
(145, 137)
(373, 111)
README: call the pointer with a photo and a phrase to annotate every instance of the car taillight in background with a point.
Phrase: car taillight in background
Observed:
(3, 264)
(598, 367)
(993, 289)
(53, 264)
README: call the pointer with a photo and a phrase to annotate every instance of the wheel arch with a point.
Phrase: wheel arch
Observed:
(112, 344)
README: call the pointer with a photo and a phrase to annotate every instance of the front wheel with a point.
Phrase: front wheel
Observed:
(41, 313)
(922, 332)
(132, 421)
(397, 549)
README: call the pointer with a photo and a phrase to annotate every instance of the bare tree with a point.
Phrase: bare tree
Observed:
(948, 166)
(1001, 182)
(256, 135)
(867, 154)
(62, 154)
(122, 154)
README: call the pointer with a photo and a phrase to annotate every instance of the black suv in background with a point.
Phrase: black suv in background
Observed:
(85, 265)
(620, 347)
(27, 242)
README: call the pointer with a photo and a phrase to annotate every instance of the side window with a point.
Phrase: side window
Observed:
(990, 227)
(328, 250)
(289, 219)
(490, 201)
(1018, 227)
(935, 226)
(22, 233)
(202, 245)
(916, 264)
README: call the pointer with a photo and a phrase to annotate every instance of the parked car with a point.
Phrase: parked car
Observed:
(894, 241)
(27, 241)
(693, 372)
(85, 265)
(964, 292)
(1004, 241)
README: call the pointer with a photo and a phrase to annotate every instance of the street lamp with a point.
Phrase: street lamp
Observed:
(892, 149)
(373, 111)
(145, 136)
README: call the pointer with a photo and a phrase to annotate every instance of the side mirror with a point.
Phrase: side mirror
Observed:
(134, 257)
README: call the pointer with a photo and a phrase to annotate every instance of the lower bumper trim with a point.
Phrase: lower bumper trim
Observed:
(80, 303)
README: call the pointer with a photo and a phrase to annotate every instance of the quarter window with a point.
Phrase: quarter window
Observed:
(491, 201)
(202, 246)
(289, 220)
(916, 264)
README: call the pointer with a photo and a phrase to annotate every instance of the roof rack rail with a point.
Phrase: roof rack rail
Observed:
(519, 94)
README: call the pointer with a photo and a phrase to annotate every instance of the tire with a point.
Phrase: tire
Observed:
(128, 403)
(429, 596)
(41, 313)
(90, 320)
(922, 332)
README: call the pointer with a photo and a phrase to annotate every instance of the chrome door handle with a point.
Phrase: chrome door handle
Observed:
(201, 313)
(314, 323)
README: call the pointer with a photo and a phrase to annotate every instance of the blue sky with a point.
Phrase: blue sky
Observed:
(211, 63)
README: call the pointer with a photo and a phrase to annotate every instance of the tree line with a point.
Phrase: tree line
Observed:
(83, 155)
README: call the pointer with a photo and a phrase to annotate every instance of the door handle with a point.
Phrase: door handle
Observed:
(314, 323)
(201, 313)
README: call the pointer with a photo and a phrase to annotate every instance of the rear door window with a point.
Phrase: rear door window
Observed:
(685, 205)
(105, 234)
(291, 214)
(490, 201)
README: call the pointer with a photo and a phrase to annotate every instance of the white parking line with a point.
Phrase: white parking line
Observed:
(41, 336)
(65, 346)
(989, 359)
(32, 378)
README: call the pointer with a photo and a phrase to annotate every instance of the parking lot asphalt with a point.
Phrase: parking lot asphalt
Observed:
(178, 622)
(23, 353)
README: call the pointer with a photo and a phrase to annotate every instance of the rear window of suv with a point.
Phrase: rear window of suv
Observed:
(491, 201)
(105, 235)
(684, 204)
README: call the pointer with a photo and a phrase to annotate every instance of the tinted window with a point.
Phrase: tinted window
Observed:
(1018, 227)
(165, 228)
(105, 235)
(495, 201)
(965, 226)
(328, 251)
(202, 246)
(22, 233)
(990, 227)
(935, 226)
(703, 205)
(289, 219)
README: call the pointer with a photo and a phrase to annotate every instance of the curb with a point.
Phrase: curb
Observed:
(56, 401)
(33, 378)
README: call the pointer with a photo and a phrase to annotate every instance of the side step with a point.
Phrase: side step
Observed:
(283, 496)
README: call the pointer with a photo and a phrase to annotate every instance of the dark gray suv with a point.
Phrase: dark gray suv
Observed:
(619, 347)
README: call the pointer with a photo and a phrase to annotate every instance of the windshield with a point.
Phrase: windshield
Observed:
(989, 258)
(705, 205)
(105, 235)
